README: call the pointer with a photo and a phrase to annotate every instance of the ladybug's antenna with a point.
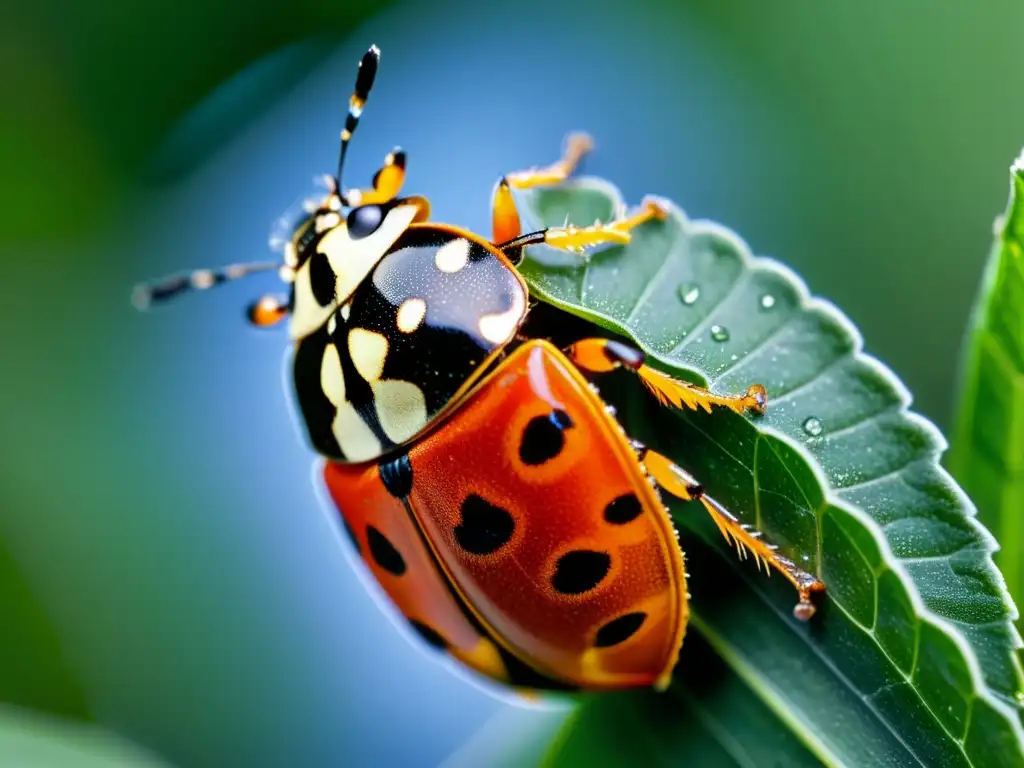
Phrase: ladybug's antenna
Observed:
(199, 280)
(364, 82)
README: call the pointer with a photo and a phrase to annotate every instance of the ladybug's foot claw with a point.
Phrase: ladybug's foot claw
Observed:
(747, 540)
(679, 394)
(651, 208)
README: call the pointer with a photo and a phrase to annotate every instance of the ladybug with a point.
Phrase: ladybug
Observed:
(478, 473)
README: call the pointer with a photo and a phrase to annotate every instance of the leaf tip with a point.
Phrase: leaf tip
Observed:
(1013, 221)
(1018, 165)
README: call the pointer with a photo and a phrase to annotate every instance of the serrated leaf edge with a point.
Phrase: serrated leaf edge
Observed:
(750, 260)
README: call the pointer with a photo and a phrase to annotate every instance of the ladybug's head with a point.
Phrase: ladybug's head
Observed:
(329, 244)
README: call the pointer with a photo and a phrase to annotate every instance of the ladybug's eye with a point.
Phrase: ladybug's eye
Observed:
(364, 220)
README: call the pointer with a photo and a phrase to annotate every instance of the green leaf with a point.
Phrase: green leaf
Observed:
(709, 712)
(33, 670)
(33, 739)
(911, 658)
(988, 453)
(513, 738)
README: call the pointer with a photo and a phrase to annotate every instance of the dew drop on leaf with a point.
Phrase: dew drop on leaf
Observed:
(767, 301)
(689, 293)
(813, 426)
(719, 333)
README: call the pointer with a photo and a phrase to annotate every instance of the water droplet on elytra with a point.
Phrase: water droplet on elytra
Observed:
(813, 426)
(719, 333)
(767, 301)
(689, 293)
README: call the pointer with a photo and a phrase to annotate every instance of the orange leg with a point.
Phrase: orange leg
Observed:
(387, 182)
(683, 485)
(507, 228)
(603, 355)
(267, 311)
(506, 225)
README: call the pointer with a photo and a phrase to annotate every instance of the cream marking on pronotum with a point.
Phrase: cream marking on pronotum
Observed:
(401, 408)
(354, 437)
(331, 380)
(411, 314)
(452, 256)
(327, 221)
(369, 350)
(350, 260)
(499, 328)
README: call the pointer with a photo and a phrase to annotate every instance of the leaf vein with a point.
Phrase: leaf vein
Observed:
(706, 322)
(760, 347)
(670, 255)
(806, 384)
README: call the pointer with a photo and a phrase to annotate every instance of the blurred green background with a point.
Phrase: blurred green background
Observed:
(166, 568)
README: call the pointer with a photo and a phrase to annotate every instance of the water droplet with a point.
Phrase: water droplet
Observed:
(689, 293)
(719, 333)
(805, 558)
(767, 301)
(813, 426)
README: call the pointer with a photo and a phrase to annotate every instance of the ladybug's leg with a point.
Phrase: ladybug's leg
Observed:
(576, 146)
(267, 311)
(603, 355)
(575, 239)
(506, 226)
(508, 236)
(683, 485)
(387, 182)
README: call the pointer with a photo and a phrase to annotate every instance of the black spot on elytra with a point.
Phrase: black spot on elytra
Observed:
(544, 437)
(619, 630)
(396, 474)
(580, 571)
(431, 636)
(485, 528)
(352, 536)
(384, 552)
(519, 673)
(623, 509)
(321, 279)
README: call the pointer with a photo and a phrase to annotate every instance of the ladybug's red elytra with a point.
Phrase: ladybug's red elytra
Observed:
(484, 482)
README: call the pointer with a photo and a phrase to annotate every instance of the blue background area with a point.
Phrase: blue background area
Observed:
(157, 498)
